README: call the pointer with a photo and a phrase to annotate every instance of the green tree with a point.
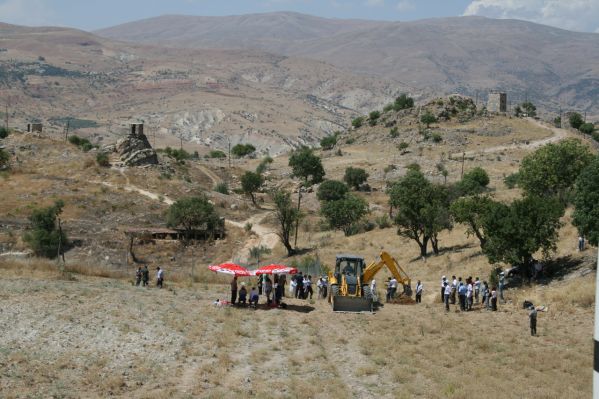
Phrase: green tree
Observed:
(403, 102)
(475, 181)
(328, 142)
(44, 237)
(586, 202)
(587, 128)
(511, 180)
(331, 190)
(217, 154)
(357, 122)
(515, 232)
(306, 166)
(193, 213)
(553, 169)
(343, 214)
(354, 177)
(251, 183)
(287, 216)
(529, 108)
(575, 120)
(472, 212)
(422, 209)
(428, 118)
(241, 150)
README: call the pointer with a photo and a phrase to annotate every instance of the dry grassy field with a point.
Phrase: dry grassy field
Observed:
(100, 337)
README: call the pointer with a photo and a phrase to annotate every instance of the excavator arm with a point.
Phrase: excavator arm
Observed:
(396, 270)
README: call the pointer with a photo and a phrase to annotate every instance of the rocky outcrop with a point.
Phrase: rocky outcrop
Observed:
(135, 149)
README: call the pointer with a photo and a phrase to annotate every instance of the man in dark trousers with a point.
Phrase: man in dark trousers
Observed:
(145, 273)
(234, 290)
(299, 280)
(138, 275)
(532, 314)
(419, 292)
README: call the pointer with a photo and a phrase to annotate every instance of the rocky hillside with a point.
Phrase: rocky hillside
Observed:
(204, 97)
(550, 66)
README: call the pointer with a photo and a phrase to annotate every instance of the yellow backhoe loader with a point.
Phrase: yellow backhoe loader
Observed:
(350, 282)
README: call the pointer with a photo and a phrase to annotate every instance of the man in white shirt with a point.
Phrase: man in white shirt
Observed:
(393, 286)
(454, 288)
(469, 293)
(447, 293)
(443, 281)
(419, 292)
(159, 277)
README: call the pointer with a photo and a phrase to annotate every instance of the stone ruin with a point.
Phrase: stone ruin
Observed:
(497, 102)
(135, 149)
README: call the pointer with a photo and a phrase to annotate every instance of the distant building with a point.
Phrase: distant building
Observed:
(35, 127)
(497, 102)
(137, 129)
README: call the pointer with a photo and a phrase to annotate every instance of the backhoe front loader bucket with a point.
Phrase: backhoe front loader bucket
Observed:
(352, 304)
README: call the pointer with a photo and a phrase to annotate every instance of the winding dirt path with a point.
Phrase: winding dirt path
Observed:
(558, 135)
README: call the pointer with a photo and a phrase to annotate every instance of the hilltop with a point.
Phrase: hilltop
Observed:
(470, 55)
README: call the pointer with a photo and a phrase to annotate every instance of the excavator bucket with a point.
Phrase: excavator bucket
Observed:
(352, 304)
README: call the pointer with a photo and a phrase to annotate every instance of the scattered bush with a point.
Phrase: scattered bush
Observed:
(102, 159)
(576, 120)
(222, 188)
(328, 142)
(241, 150)
(511, 180)
(389, 168)
(82, 143)
(587, 128)
(403, 145)
(179, 155)
(4, 159)
(394, 132)
(357, 122)
(383, 221)
(428, 118)
(373, 117)
(557, 121)
(403, 102)
(350, 141)
(261, 168)
(4, 132)
(218, 154)
(437, 138)
(595, 136)
(332, 190)
(44, 238)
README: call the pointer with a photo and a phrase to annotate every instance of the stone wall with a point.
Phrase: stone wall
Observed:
(497, 102)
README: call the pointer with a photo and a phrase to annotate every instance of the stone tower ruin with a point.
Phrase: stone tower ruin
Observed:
(497, 102)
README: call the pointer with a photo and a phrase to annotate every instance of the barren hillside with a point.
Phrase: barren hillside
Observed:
(204, 97)
(550, 66)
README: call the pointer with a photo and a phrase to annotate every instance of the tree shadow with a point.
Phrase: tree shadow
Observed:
(444, 250)
(302, 251)
(283, 306)
(557, 269)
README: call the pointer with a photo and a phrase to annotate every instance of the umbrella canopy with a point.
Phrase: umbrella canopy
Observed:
(230, 268)
(274, 269)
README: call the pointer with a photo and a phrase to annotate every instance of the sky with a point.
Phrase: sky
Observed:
(579, 15)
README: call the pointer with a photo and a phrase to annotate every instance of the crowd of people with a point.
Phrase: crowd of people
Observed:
(470, 292)
(273, 289)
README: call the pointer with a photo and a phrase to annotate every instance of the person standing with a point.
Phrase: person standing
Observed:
(268, 289)
(446, 295)
(501, 286)
(234, 290)
(299, 293)
(469, 295)
(145, 276)
(532, 315)
(393, 284)
(454, 289)
(443, 281)
(419, 292)
(476, 290)
(138, 275)
(462, 295)
(282, 283)
(485, 295)
(308, 285)
(580, 243)
(493, 299)
(373, 289)
(159, 277)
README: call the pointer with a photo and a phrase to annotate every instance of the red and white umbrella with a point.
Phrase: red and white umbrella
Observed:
(230, 268)
(274, 269)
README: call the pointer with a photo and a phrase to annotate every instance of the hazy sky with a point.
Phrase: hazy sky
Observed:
(581, 15)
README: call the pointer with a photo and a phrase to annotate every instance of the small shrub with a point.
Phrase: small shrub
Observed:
(248, 227)
(357, 122)
(595, 136)
(102, 159)
(241, 150)
(387, 108)
(389, 168)
(328, 142)
(394, 132)
(587, 128)
(402, 146)
(87, 146)
(4, 132)
(217, 154)
(222, 188)
(437, 138)
(350, 141)
(383, 222)
(83, 144)
(373, 117)
(4, 159)
(511, 180)
(403, 102)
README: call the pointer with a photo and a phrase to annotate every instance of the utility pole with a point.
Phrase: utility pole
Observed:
(463, 159)
(229, 141)
(6, 116)
(66, 130)
(181, 138)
